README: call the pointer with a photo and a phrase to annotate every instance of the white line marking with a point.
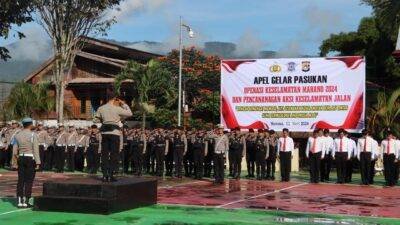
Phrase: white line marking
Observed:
(265, 194)
(182, 184)
(18, 210)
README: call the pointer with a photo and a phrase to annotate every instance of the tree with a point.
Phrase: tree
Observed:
(29, 100)
(150, 81)
(13, 12)
(385, 113)
(387, 10)
(66, 21)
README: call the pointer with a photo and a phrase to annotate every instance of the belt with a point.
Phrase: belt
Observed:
(60, 145)
(26, 155)
(71, 145)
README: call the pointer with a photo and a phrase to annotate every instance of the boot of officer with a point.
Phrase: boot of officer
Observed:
(26, 159)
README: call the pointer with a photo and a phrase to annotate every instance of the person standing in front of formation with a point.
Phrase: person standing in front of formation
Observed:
(72, 139)
(94, 149)
(221, 148)
(285, 148)
(390, 156)
(315, 152)
(26, 151)
(326, 161)
(251, 153)
(61, 148)
(341, 155)
(110, 115)
(262, 149)
(272, 154)
(43, 139)
(200, 149)
(367, 149)
(237, 148)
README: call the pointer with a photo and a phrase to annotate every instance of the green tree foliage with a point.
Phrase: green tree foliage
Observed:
(13, 13)
(29, 100)
(387, 10)
(151, 85)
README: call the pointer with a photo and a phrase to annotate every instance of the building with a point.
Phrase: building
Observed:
(94, 69)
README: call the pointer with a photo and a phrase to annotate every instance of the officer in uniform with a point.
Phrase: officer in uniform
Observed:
(261, 151)
(49, 153)
(326, 162)
(81, 147)
(150, 154)
(169, 158)
(272, 154)
(127, 150)
(251, 153)
(351, 162)
(341, 154)
(110, 115)
(390, 155)
(285, 148)
(221, 148)
(161, 149)
(10, 134)
(72, 139)
(60, 148)
(26, 151)
(237, 149)
(43, 139)
(179, 142)
(209, 156)
(200, 149)
(315, 151)
(139, 146)
(3, 146)
(367, 149)
(94, 149)
(188, 158)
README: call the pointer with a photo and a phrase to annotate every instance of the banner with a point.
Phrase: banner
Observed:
(299, 94)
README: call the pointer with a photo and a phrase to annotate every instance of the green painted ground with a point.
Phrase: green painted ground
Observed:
(177, 215)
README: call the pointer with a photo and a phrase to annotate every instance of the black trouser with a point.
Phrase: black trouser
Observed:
(49, 158)
(188, 162)
(110, 144)
(127, 156)
(341, 159)
(59, 158)
(237, 163)
(286, 165)
(137, 156)
(326, 165)
(198, 157)
(397, 171)
(219, 167)
(79, 159)
(169, 162)
(372, 172)
(208, 162)
(250, 161)
(3, 157)
(389, 169)
(315, 165)
(42, 156)
(365, 167)
(71, 158)
(26, 175)
(349, 170)
(148, 159)
(230, 159)
(92, 158)
(160, 160)
(178, 160)
(271, 160)
(7, 155)
(153, 160)
(261, 163)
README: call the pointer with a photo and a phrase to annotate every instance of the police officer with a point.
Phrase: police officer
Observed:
(188, 160)
(285, 148)
(81, 147)
(94, 149)
(209, 156)
(169, 158)
(10, 134)
(341, 154)
(43, 139)
(72, 139)
(351, 162)
(261, 149)
(60, 149)
(315, 151)
(367, 149)
(26, 151)
(251, 153)
(390, 155)
(139, 147)
(221, 148)
(110, 115)
(161, 149)
(179, 142)
(237, 149)
(200, 148)
(326, 162)
(272, 154)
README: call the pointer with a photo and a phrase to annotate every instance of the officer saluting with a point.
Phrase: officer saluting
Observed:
(26, 151)
(110, 115)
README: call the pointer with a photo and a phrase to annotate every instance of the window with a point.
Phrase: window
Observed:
(83, 105)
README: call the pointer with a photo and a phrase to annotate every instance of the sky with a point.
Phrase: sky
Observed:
(288, 26)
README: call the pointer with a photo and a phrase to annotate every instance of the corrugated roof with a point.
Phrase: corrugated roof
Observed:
(102, 80)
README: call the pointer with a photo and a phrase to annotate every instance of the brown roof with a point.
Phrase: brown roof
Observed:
(103, 80)
(42, 67)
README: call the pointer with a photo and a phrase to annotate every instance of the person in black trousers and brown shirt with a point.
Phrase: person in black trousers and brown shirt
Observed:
(26, 152)
(110, 116)
(315, 151)
(285, 148)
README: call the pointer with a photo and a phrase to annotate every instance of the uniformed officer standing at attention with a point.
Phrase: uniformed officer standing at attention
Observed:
(72, 140)
(110, 115)
(10, 134)
(285, 148)
(237, 147)
(326, 162)
(26, 151)
(262, 149)
(367, 149)
(221, 147)
(81, 148)
(179, 142)
(272, 154)
(390, 156)
(139, 148)
(200, 148)
(61, 148)
(43, 139)
(341, 155)
(315, 151)
(94, 149)
(251, 153)
(161, 145)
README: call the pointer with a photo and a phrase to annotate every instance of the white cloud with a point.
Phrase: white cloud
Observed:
(128, 8)
(249, 45)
